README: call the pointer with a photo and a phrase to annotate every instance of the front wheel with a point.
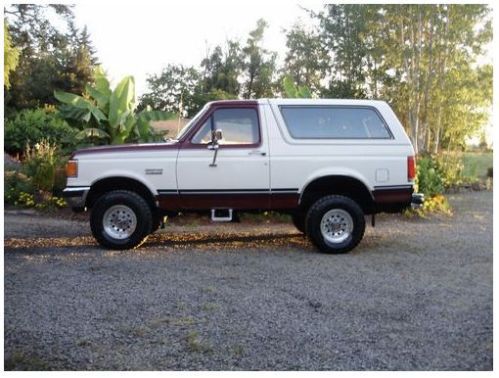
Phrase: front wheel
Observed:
(121, 220)
(299, 221)
(335, 224)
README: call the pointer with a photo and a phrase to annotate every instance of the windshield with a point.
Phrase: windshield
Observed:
(191, 123)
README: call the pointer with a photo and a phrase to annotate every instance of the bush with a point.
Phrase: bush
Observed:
(16, 184)
(40, 164)
(31, 126)
(428, 178)
(451, 169)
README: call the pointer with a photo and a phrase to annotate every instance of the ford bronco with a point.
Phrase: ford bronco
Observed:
(328, 163)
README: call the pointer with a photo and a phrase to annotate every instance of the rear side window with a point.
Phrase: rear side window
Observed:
(334, 122)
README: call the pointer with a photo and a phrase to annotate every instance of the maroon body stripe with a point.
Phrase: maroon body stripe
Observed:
(393, 196)
(237, 201)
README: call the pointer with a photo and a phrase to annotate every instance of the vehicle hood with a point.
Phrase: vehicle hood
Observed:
(131, 147)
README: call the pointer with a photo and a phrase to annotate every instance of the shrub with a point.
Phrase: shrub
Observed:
(429, 180)
(40, 164)
(15, 184)
(451, 168)
(31, 126)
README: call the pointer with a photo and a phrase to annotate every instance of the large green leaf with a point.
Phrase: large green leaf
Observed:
(101, 98)
(101, 83)
(100, 90)
(74, 113)
(82, 108)
(122, 100)
(72, 99)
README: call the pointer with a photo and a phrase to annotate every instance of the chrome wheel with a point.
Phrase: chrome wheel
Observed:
(119, 221)
(336, 226)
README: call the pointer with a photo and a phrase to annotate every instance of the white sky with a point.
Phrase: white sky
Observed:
(142, 37)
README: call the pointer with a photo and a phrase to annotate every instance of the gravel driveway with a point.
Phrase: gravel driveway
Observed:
(415, 295)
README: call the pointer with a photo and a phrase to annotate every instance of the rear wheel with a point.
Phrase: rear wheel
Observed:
(121, 220)
(335, 224)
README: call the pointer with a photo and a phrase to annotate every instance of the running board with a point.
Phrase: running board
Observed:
(221, 215)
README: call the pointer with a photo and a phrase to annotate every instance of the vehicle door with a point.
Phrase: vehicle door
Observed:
(232, 172)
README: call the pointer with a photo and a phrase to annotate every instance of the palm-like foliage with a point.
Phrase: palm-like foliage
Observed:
(110, 114)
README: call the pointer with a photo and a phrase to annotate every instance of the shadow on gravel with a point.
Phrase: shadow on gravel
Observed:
(169, 241)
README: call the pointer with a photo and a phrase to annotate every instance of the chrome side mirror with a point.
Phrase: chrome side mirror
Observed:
(216, 136)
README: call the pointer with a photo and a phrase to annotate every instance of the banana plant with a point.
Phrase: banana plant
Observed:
(108, 114)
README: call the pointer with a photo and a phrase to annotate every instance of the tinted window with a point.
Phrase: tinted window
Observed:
(239, 126)
(310, 122)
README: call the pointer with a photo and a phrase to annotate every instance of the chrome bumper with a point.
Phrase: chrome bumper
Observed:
(76, 196)
(417, 200)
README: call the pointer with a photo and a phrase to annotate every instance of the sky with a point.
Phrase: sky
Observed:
(141, 37)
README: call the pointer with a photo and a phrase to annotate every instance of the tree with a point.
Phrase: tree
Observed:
(422, 58)
(10, 55)
(293, 90)
(176, 90)
(259, 65)
(50, 57)
(305, 61)
(437, 49)
(342, 28)
(221, 69)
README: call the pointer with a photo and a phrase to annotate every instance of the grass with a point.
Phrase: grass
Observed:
(174, 321)
(194, 343)
(210, 307)
(477, 163)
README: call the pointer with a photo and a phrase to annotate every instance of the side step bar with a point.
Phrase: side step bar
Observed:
(221, 215)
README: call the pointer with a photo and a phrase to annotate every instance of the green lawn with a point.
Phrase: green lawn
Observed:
(477, 163)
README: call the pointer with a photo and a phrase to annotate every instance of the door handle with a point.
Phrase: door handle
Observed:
(261, 153)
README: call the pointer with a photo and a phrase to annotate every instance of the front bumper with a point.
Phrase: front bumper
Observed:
(417, 200)
(76, 196)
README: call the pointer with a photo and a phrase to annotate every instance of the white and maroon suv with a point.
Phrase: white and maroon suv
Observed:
(326, 162)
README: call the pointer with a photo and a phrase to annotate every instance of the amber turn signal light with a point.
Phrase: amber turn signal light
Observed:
(72, 168)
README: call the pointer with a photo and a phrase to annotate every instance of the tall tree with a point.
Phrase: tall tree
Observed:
(259, 65)
(174, 90)
(221, 69)
(10, 56)
(418, 57)
(306, 60)
(50, 58)
(342, 30)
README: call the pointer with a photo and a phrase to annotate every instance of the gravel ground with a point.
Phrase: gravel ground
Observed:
(415, 295)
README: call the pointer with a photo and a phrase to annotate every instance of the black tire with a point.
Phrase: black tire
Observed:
(133, 202)
(299, 221)
(338, 206)
(157, 220)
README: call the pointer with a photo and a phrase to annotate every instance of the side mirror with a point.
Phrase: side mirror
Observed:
(216, 136)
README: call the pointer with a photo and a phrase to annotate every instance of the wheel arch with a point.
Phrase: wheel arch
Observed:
(107, 184)
(339, 184)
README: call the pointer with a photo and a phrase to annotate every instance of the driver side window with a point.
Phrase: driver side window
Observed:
(239, 126)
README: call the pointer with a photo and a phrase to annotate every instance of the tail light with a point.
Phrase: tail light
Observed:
(72, 168)
(411, 168)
